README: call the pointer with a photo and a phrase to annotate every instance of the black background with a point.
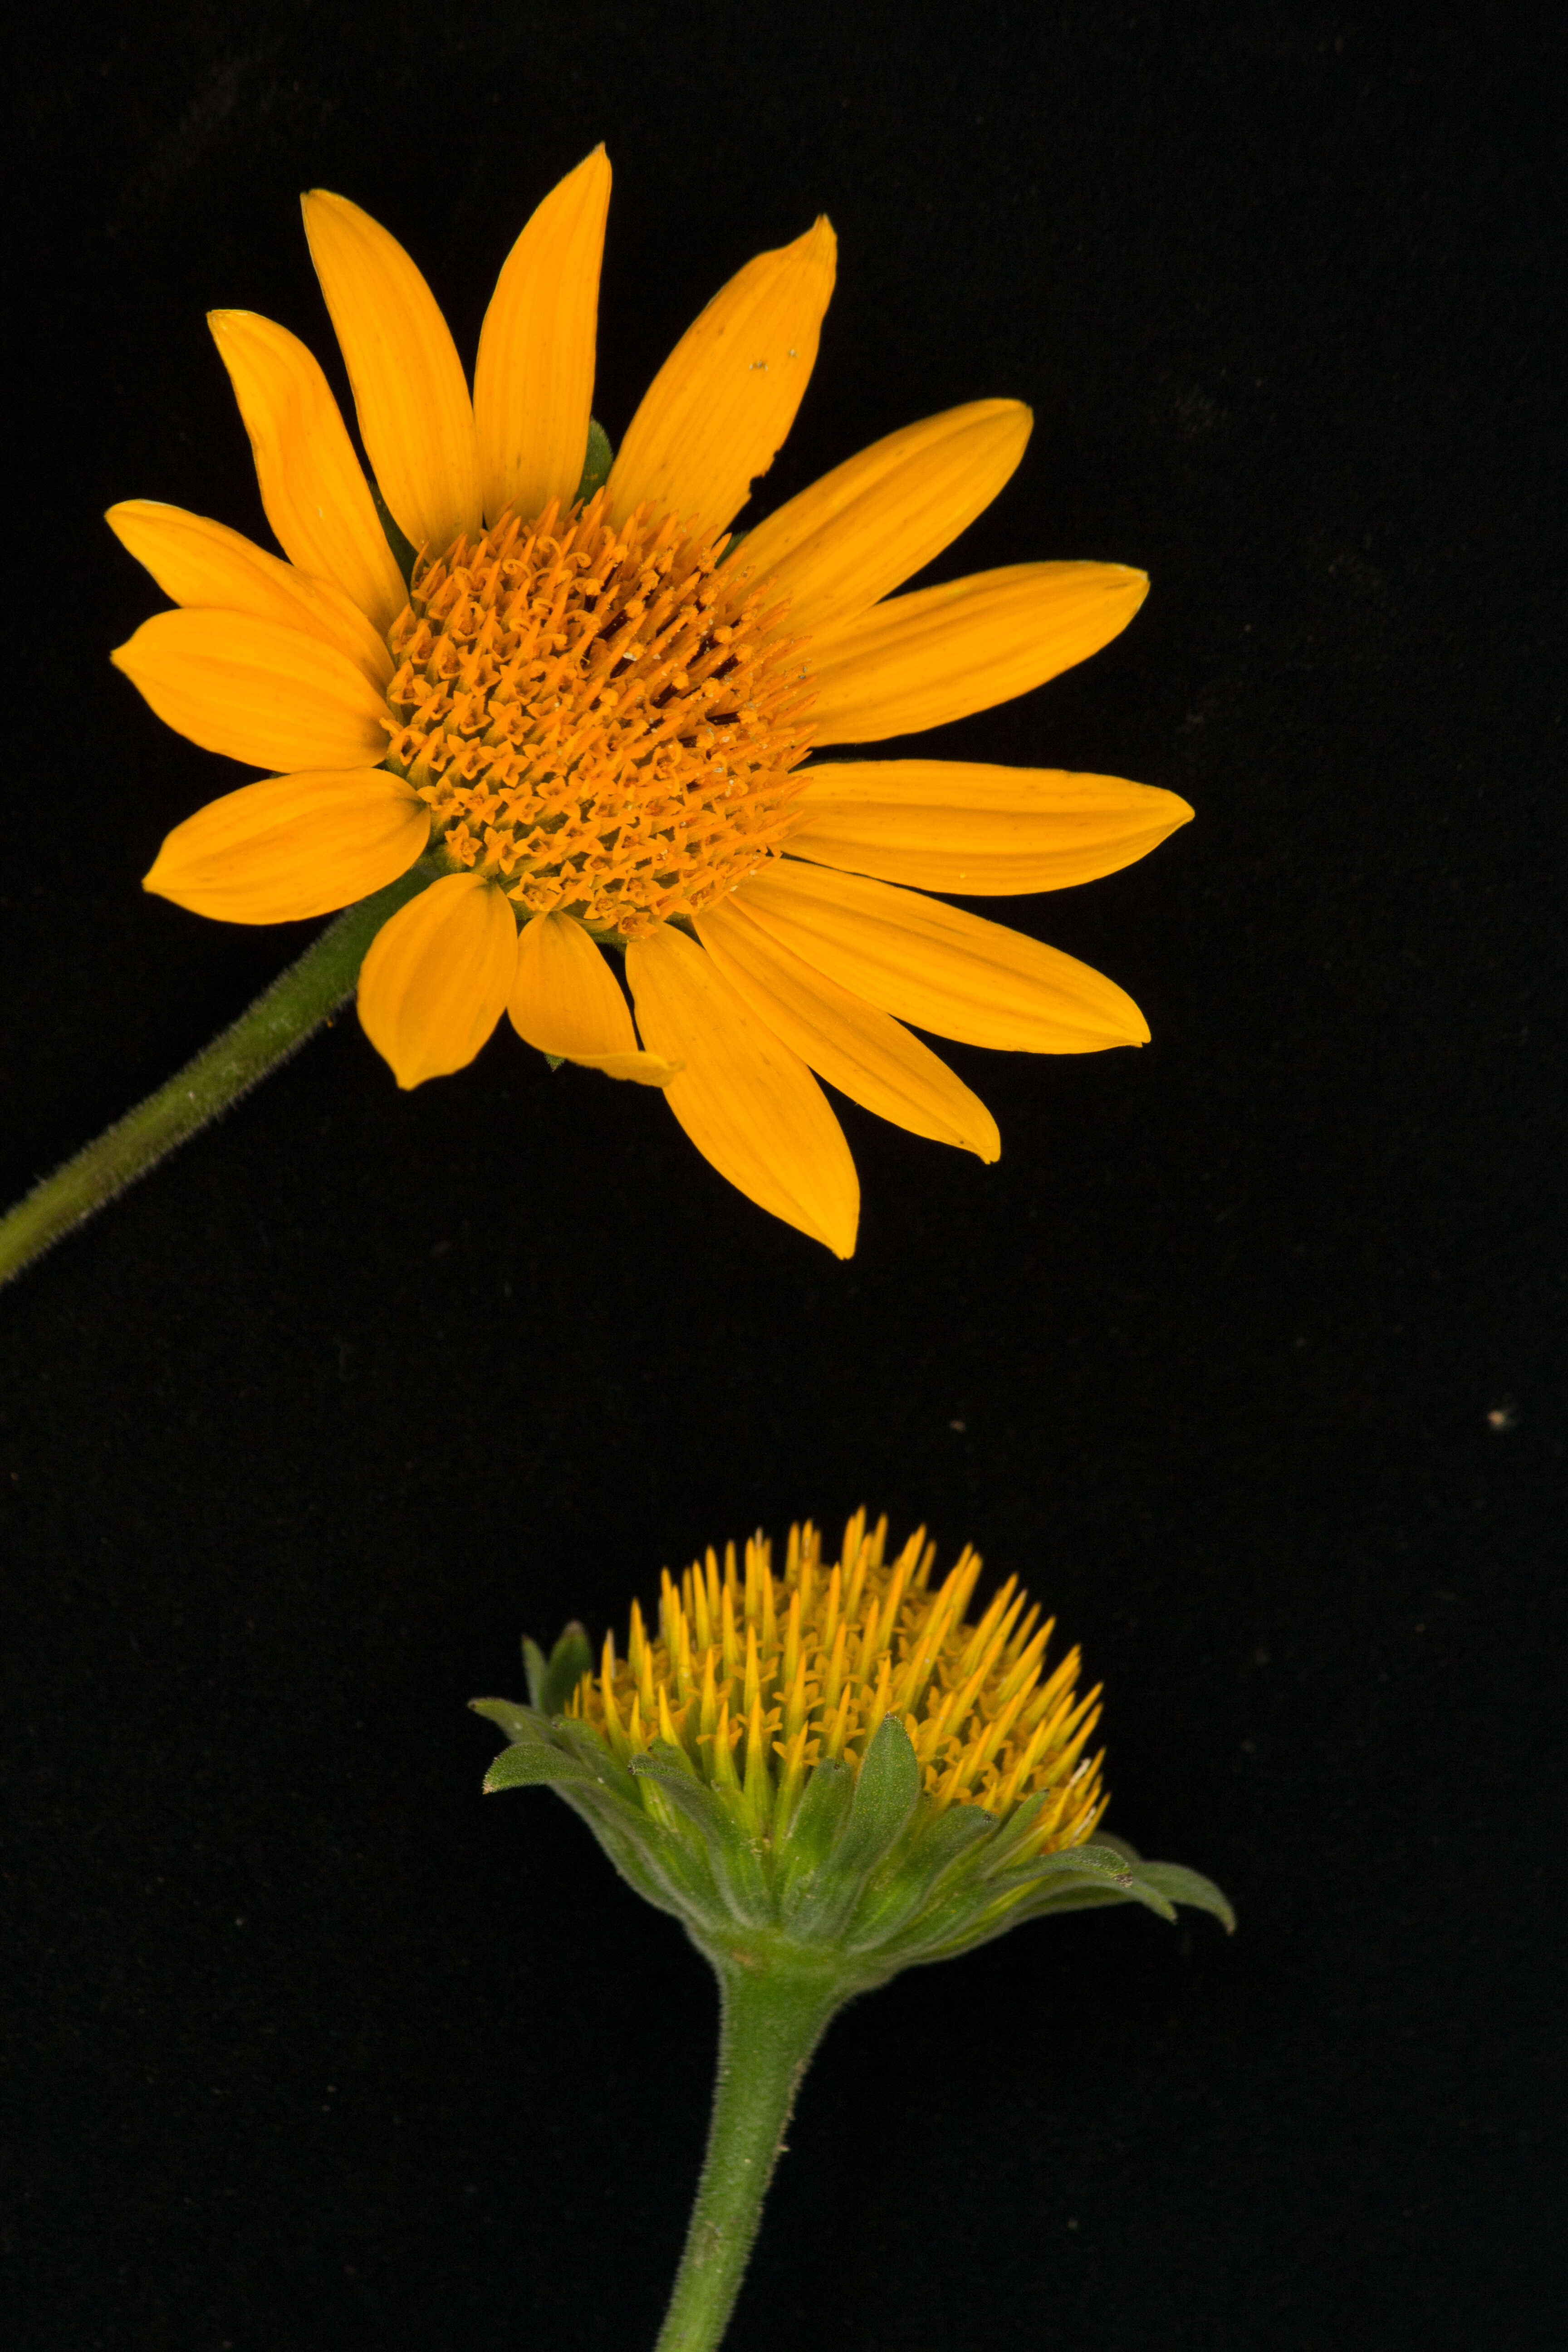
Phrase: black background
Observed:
(1246, 1355)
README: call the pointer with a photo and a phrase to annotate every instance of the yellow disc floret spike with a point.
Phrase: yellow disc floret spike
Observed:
(757, 1677)
(601, 718)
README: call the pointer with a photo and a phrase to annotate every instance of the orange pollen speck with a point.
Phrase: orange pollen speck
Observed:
(602, 716)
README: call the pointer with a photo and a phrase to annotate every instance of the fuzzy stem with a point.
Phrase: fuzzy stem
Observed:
(280, 1020)
(772, 2018)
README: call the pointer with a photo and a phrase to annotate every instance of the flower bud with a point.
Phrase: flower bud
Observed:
(835, 1767)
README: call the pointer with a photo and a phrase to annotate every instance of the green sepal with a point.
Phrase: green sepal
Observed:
(734, 1859)
(1014, 1835)
(528, 1766)
(816, 1821)
(597, 460)
(941, 1839)
(664, 1751)
(819, 1816)
(662, 1855)
(908, 1881)
(887, 1791)
(517, 1722)
(976, 1906)
(1012, 1894)
(1065, 1894)
(657, 1853)
(693, 1797)
(1170, 1882)
(1178, 1884)
(1075, 1860)
(1158, 1885)
(669, 1872)
(570, 1758)
(866, 1879)
(549, 1686)
(586, 1758)
(1092, 1862)
(590, 1747)
(403, 552)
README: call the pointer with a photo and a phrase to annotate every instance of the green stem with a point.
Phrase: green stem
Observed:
(772, 2018)
(282, 1018)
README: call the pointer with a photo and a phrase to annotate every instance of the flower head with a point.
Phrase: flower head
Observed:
(590, 706)
(756, 1679)
(838, 1759)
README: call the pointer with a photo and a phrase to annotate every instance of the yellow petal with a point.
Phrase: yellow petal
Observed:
(564, 999)
(292, 847)
(643, 1069)
(206, 564)
(936, 966)
(533, 382)
(410, 395)
(874, 521)
(268, 695)
(921, 660)
(313, 485)
(749, 1103)
(843, 1038)
(438, 977)
(951, 825)
(716, 415)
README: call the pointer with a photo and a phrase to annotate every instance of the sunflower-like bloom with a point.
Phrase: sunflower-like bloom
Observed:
(837, 1759)
(592, 704)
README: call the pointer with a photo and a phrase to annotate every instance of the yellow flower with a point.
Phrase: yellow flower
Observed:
(592, 704)
(834, 1759)
(755, 1679)
(826, 1776)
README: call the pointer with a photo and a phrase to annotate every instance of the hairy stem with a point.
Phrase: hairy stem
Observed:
(280, 1020)
(771, 2018)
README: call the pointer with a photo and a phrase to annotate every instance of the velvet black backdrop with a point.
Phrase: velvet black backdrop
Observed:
(1246, 1354)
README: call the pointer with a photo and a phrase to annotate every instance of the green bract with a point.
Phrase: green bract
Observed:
(867, 1878)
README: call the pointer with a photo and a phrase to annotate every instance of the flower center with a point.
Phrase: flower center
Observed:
(758, 1677)
(600, 714)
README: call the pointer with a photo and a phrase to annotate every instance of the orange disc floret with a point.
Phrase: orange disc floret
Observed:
(602, 717)
(756, 1678)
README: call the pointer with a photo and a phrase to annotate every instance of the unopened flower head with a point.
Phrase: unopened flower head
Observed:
(834, 1764)
(756, 1678)
(558, 683)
